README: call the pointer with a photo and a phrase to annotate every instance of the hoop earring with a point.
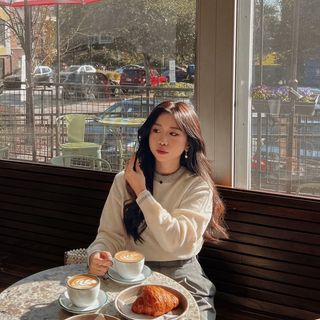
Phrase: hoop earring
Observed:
(186, 154)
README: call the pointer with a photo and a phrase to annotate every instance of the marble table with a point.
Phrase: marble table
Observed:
(36, 296)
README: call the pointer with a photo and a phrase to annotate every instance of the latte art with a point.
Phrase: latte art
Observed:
(129, 256)
(82, 282)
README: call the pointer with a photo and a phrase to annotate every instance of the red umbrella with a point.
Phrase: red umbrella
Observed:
(21, 3)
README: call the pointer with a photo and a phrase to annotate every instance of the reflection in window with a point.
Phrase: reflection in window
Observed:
(127, 47)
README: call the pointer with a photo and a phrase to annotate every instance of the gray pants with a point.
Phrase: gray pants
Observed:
(190, 275)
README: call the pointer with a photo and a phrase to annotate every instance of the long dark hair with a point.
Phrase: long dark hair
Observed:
(197, 163)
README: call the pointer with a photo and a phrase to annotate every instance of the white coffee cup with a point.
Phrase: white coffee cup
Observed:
(128, 264)
(83, 289)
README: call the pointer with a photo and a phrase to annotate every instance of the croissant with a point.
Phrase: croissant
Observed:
(155, 301)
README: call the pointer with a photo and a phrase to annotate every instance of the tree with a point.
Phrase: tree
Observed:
(308, 44)
(42, 32)
(147, 30)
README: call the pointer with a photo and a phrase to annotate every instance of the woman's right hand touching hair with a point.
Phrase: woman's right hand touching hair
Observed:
(134, 175)
(99, 262)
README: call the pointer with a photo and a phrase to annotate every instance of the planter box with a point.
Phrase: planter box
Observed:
(260, 106)
(267, 106)
(280, 107)
(306, 109)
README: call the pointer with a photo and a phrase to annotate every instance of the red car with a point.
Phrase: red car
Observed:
(137, 77)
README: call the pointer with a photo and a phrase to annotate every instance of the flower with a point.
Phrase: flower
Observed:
(263, 92)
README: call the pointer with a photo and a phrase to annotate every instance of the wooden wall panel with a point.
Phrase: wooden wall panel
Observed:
(269, 265)
(267, 270)
(46, 210)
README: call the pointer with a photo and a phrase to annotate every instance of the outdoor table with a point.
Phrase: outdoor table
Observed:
(36, 296)
(115, 125)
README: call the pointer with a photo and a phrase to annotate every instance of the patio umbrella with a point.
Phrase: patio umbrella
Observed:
(28, 47)
(22, 3)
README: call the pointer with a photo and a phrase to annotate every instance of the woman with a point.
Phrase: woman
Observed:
(164, 203)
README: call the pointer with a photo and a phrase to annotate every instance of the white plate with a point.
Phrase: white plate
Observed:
(93, 316)
(67, 305)
(146, 272)
(125, 299)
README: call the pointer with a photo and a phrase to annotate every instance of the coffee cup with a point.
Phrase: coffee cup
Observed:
(128, 264)
(83, 289)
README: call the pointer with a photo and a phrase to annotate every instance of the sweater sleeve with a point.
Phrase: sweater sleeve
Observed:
(181, 230)
(111, 233)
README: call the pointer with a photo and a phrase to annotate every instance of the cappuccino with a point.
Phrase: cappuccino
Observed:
(83, 289)
(129, 256)
(83, 281)
(128, 264)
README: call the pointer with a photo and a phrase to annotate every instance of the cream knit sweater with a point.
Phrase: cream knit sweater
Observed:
(177, 215)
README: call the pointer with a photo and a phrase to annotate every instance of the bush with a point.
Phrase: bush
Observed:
(176, 89)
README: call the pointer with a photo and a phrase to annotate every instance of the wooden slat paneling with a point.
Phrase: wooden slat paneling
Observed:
(46, 210)
(267, 270)
(270, 264)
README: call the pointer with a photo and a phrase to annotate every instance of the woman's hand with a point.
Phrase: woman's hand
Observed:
(135, 178)
(99, 263)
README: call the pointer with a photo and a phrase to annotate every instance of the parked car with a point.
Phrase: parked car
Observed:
(100, 133)
(12, 81)
(90, 85)
(191, 70)
(76, 69)
(128, 66)
(128, 108)
(181, 74)
(41, 75)
(137, 77)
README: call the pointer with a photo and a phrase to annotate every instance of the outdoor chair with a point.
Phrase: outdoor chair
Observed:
(75, 256)
(82, 162)
(72, 126)
(4, 152)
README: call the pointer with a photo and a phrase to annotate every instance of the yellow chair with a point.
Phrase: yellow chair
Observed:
(81, 162)
(73, 127)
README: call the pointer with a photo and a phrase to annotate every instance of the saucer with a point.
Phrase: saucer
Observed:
(146, 272)
(67, 305)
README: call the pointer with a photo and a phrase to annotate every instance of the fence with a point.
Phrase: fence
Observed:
(285, 151)
(36, 138)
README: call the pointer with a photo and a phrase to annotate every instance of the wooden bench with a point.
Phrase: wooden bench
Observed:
(268, 269)
(45, 211)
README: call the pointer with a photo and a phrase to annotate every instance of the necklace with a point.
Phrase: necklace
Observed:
(167, 178)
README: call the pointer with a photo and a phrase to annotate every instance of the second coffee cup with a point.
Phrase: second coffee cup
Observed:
(83, 289)
(128, 264)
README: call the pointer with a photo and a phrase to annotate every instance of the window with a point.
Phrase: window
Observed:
(278, 90)
(141, 33)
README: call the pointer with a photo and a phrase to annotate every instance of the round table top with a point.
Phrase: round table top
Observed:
(36, 296)
(122, 122)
